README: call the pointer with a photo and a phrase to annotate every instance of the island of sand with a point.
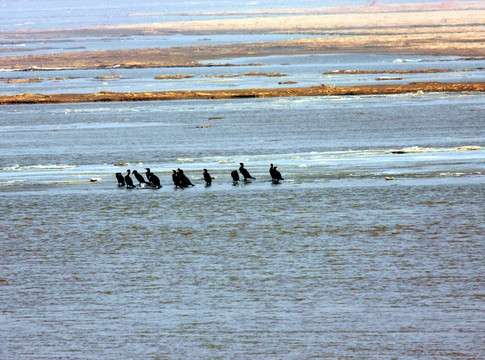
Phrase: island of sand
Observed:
(106, 96)
(445, 28)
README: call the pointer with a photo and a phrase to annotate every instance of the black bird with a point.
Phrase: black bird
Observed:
(148, 173)
(207, 177)
(275, 174)
(139, 177)
(121, 180)
(154, 180)
(244, 172)
(128, 181)
(271, 171)
(175, 179)
(184, 180)
(235, 177)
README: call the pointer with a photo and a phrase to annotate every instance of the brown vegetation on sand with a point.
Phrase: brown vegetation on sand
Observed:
(323, 90)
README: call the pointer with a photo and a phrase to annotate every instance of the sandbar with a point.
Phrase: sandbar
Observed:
(417, 88)
(448, 28)
(445, 28)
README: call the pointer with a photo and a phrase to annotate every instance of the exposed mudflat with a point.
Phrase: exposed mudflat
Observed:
(383, 29)
(243, 93)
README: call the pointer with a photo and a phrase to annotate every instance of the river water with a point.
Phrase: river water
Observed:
(251, 72)
(371, 248)
(59, 14)
(334, 262)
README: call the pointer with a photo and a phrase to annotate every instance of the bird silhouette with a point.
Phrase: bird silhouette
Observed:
(128, 181)
(139, 178)
(275, 174)
(147, 173)
(175, 179)
(184, 180)
(154, 180)
(235, 177)
(121, 179)
(244, 172)
(207, 177)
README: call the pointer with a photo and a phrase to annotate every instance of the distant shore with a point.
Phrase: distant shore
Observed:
(201, 56)
(107, 96)
(447, 28)
(418, 30)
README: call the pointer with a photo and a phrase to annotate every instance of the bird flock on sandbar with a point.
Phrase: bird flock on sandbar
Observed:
(179, 179)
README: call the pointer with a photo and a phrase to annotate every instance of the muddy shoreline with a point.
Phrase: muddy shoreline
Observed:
(417, 30)
(422, 31)
(106, 96)
(200, 56)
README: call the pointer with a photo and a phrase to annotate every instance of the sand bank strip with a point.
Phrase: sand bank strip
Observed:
(379, 19)
(323, 90)
(192, 56)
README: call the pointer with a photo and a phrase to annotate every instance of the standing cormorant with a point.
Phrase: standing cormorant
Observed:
(275, 174)
(244, 172)
(271, 171)
(128, 181)
(121, 180)
(207, 177)
(184, 180)
(154, 180)
(175, 179)
(235, 177)
(148, 173)
(139, 177)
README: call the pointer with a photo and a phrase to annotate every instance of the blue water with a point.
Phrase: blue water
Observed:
(20, 47)
(371, 248)
(336, 261)
(47, 14)
(304, 70)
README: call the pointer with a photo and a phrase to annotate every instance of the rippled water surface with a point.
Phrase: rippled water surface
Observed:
(54, 14)
(371, 248)
(246, 73)
(334, 262)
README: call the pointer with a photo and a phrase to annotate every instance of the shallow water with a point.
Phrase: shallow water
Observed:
(55, 14)
(299, 70)
(26, 46)
(334, 262)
